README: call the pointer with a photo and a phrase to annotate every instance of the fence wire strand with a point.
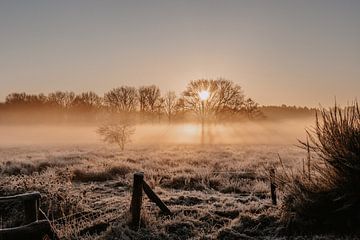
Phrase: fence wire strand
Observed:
(71, 225)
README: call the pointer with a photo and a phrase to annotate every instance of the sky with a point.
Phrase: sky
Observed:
(280, 51)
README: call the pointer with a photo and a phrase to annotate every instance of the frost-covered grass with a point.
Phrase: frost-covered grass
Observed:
(214, 191)
(326, 197)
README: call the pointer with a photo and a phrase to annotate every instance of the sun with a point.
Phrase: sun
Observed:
(204, 95)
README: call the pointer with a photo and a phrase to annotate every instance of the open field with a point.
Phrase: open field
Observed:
(179, 120)
(215, 191)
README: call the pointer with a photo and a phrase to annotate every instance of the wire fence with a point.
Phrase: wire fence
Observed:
(12, 214)
(73, 224)
(103, 211)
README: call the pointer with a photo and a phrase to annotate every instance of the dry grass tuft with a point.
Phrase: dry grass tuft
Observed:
(58, 197)
(326, 197)
(248, 226)
(109, 173)
(29, 166)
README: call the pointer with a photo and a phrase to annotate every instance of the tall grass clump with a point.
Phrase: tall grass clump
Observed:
(326, 197)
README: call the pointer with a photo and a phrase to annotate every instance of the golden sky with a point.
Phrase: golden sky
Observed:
(293, 52)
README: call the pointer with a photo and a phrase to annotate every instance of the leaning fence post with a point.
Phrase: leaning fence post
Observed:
(153, 197)
(136, 201)
(273, 186)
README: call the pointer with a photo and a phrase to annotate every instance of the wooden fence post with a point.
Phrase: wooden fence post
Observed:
(36, 230)
(31, 209)
(273, 186)
(136, 201)
(153, 197)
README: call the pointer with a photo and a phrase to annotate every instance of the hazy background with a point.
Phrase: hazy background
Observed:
(267, 132)
(293, 52)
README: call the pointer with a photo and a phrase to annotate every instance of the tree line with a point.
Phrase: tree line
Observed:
(226, 102)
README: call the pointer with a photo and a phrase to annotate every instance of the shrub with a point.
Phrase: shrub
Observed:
(327, 198)
(119, 133)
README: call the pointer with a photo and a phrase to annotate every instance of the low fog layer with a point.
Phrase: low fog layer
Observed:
(280, 132)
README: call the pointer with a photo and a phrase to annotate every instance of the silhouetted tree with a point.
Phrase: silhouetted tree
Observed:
(117, 133)
(153, 98)
(229, 97)
(149, 97)
(61, 99)
(142, 93)
(122, 99)
(28, 100)
(159, 107)
(170, 104)
(251, 108)
(225, 98)
(87, 101)
(15, 98)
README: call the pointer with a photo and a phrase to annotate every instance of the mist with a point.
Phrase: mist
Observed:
(285, 131)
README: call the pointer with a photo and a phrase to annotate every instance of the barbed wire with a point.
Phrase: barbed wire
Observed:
(73, 224)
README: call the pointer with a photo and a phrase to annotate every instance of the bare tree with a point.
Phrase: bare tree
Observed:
(170, 104)
(87, 101)
(122, 99)
(224, 98)
(149, 97)
(117, 133)
(23, 99)
(229, 97)
(251, 109)
(61, 99)
(153, 98)
(159, 107)
(142, 93)
(15, 98)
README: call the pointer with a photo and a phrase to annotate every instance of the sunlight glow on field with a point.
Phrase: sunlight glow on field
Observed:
(285, 132)
(190, 129)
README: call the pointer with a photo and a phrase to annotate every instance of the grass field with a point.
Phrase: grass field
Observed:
(215, 191)
(219, 190)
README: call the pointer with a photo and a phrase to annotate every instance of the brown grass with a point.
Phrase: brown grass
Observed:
(326, 197)
(216, 192)
(107, 174)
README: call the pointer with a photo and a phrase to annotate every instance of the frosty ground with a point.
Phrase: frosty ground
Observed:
(215, 191)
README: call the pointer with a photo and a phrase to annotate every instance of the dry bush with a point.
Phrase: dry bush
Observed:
(117, 133)
(327, 196)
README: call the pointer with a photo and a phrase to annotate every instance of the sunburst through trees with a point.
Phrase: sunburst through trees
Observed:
(214, 99)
